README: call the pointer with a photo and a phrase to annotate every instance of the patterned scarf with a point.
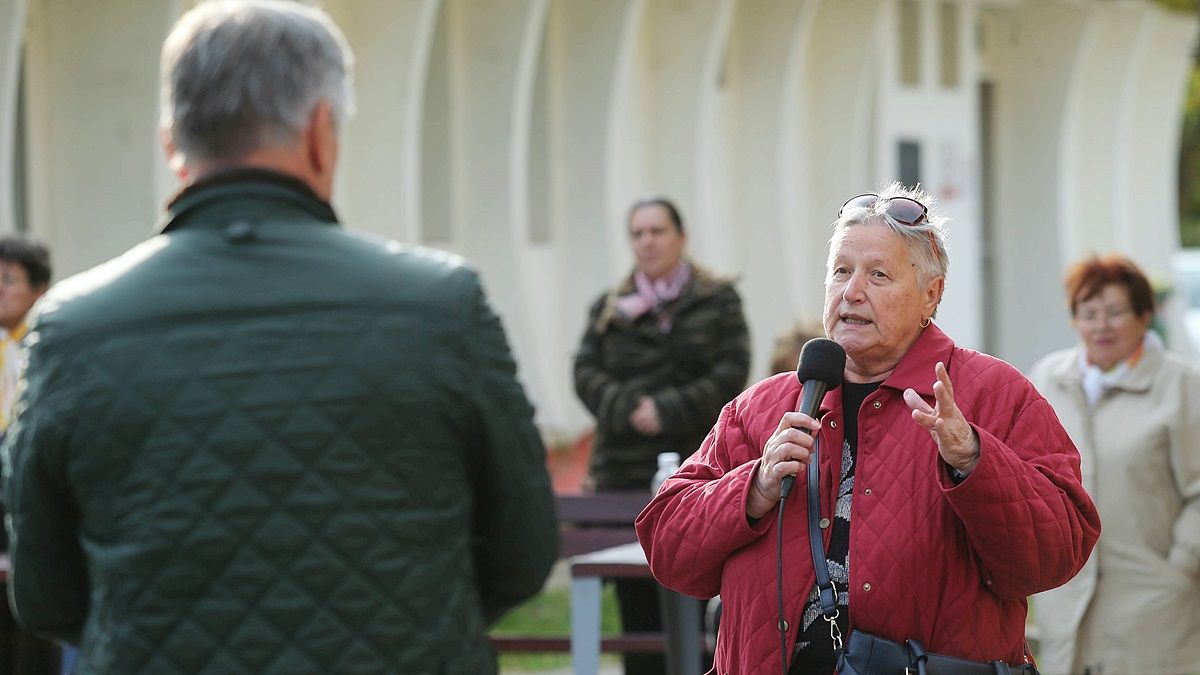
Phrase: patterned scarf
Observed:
(654, 295)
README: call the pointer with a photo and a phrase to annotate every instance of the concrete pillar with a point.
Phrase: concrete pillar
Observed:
(1029, 51)
(94, 159)
(491, 70)
(764, 237)
(669, 62)
(12, 25)
(1093, 130)
(583, 43)
(378, 186)
(837, 150)
(1147, 167)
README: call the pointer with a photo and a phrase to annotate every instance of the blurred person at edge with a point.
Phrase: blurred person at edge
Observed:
(661, 353)
(785, 357)
(1134, 411)
(259, 442)
(963, 489)
(24, 277)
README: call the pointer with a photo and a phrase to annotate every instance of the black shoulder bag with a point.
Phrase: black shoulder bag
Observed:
(866, 654)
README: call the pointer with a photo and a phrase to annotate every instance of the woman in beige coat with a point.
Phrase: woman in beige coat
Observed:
(1134, 412)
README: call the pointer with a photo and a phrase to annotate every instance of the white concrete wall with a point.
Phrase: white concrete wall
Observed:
(379, 183)
(94, 158)
(517, 132)
(944, 121)
(1030, 51)
(12, 22)
(767, 243)
(1089, 97)
(1147, 167)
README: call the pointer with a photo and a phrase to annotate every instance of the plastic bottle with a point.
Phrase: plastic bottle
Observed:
(668, 464)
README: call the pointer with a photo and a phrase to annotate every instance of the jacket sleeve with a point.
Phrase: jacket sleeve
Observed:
(1024, 508)
(1184, 456)
(689, 409)
(698, 519)
(609, 401)
(48, 583)
(516, 537)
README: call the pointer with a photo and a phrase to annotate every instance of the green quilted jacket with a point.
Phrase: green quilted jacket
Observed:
(690, 372)
(259, 443)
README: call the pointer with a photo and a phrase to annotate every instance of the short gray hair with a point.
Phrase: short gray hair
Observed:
(926, 240)
(240, 76)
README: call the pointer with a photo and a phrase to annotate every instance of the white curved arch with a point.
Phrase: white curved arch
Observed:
(379, 185)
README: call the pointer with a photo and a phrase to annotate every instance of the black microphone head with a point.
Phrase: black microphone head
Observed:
(822, 360)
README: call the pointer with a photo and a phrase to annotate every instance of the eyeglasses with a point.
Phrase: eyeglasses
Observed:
(903, 210)
(11, 279)
(1109, 315)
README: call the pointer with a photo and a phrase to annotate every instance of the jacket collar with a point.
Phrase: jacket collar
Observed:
(916, 368)
(239, 184)
(16, 334)
(1139, 378)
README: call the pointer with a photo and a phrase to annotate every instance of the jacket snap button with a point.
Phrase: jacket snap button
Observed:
(782, 627)
(867, 491)
(867, 587)
(824, 523)
(239, 231)
(878, 405)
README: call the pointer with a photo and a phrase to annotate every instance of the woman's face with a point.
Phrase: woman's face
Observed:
(657, 243)
(1108, 326)
(873, 303)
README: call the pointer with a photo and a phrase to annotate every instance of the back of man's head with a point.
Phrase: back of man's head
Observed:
(31, 255)
(240, 76)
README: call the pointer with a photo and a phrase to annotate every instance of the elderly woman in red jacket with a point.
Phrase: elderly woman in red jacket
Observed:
(949, 492)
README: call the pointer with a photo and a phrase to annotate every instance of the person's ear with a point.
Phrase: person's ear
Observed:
(322, 139)
(174, 158)
(933, 294)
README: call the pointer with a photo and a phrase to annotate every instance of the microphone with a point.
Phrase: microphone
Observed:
(822, 366)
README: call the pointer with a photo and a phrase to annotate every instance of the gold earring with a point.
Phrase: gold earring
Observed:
(926, 321)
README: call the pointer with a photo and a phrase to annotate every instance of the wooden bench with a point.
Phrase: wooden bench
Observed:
(590, 523)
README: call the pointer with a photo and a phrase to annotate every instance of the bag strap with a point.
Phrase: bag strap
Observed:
(825, 588)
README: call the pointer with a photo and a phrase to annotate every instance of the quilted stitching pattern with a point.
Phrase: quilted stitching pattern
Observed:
(950, 565)
(269, 481)
(262, 490)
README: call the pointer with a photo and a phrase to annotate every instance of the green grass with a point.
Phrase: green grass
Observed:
(549, 613)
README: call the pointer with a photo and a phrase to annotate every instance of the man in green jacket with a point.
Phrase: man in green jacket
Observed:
(259, 443)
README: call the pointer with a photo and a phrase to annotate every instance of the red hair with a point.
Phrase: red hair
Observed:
(1086, 278)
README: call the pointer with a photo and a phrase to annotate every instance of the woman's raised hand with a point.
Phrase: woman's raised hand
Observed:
(957, 441)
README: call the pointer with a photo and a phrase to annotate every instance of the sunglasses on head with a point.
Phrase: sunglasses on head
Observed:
(903, 210)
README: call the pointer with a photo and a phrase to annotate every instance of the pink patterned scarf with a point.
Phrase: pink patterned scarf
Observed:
(653, 295)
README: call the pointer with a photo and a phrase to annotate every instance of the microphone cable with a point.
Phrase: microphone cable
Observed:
(785, 488)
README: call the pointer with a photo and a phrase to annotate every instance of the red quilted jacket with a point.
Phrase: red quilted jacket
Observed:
(948, 565)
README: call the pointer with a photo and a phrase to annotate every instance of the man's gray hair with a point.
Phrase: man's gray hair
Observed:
(240, 76)
(926, 240)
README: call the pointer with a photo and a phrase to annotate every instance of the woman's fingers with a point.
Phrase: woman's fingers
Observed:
(786, 452)
(943, 376)
(918, 404)
(797, 420)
